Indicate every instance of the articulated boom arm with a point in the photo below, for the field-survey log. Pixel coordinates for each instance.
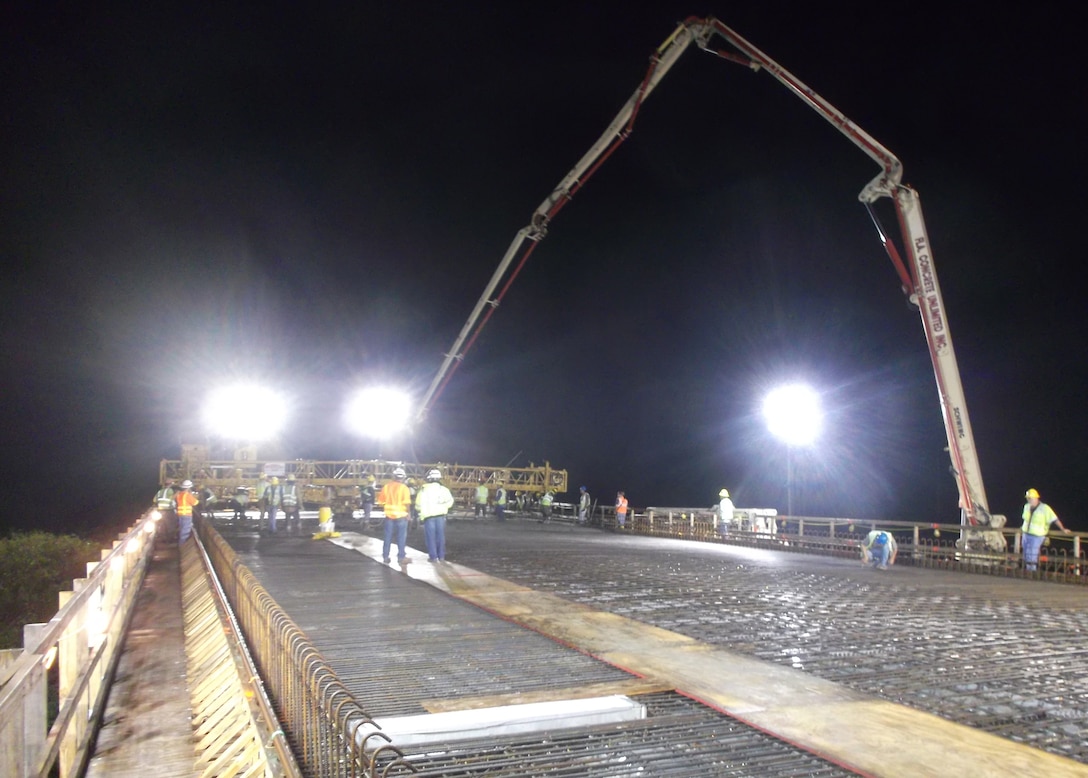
(918, 276)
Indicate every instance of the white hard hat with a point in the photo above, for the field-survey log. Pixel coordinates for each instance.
(398, 473)
(186, 484)
(434, 474)
(723, 493)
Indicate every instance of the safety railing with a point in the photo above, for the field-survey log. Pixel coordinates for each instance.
(322, 721)
(920, 544)
(53, 691)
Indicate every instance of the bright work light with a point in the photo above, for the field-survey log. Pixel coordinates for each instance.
(378, 412)
(245, 412)
(793, 414)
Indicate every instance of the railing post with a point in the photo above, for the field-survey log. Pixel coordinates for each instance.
(35, 727)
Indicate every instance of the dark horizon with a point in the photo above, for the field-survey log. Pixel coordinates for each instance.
(315, 198)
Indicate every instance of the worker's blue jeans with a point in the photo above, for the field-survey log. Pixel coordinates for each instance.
(880, 553)
(400, 527)
(185, 527)
(1031, 545)
(272, 511)
(434, 531)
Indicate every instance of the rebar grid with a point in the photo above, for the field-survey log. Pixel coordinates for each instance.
(1004, 656)
(402, 648)
(678, 738)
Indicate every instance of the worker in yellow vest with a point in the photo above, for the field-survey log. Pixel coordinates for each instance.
(481, 500)
(1038, 516)
(433, 501)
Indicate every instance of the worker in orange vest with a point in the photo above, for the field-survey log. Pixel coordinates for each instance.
(185, 501)
(621, 509)
(395, 499)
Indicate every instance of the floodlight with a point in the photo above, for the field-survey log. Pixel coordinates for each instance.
(378, 412)
(793, 414)
(245, 412)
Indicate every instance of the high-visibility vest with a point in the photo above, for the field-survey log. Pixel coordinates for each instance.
(164, 499)
(186, 501)
(481, 495)
(621, 505)
(273, 495)
(1038, 522)
(291, 495)
(433, 499)
(500, 496)
(395, 498)
(546, 500)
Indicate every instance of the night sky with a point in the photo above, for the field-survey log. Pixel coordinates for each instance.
(313, 196)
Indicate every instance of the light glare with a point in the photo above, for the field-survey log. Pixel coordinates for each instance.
(378, 412)
(793, 414)
(245, 412)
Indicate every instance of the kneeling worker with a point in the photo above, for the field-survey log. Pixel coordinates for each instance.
(879, 549)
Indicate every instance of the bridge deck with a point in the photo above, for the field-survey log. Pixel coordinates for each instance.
(818, 652)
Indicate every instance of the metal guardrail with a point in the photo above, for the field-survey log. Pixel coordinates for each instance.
(322, 722)
(76, 653)
(1062, 559)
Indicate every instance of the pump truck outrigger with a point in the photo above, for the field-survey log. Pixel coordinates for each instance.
(980, 529)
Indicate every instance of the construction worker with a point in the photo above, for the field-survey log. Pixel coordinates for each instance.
(366, 497)
(583, 505)
(725, 509)
(164, 498)
(207, 502)
(164, 504)
(481, 500)
(500, 503)
(292, 505)
(262, 487)
(413, 514)
(395, 498)
(239, 501)
(879, 549)
(273, 499)
(185, 501)
(546, 507)
(1038, 516)
(433, 503)
(621, 510)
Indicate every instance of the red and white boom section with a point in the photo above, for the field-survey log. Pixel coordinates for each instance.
(917, 273)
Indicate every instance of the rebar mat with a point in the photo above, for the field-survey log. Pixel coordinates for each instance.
(396, 643)
(1002, 655)
(679, 737)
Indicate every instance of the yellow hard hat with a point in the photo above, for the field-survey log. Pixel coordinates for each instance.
(723, 493)
(1031, 494)
(275, 481)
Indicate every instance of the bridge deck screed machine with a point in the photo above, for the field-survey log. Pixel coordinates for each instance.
(336, 484)
(918, 275)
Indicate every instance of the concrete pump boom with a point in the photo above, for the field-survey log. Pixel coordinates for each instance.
(917, 274)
